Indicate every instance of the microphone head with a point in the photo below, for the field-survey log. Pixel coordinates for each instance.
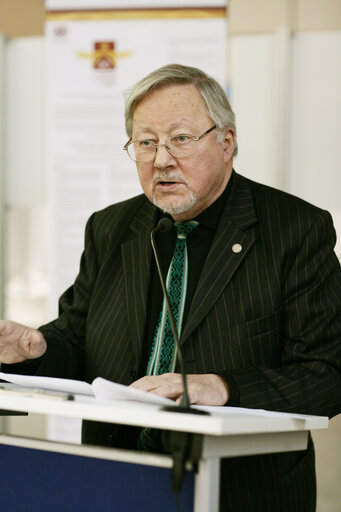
(164, 225)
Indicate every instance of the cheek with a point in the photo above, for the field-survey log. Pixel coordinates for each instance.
(207, 175)
(145, 176)
(195, 172)
(199, 178)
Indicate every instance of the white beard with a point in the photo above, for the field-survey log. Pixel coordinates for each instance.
(170, 205)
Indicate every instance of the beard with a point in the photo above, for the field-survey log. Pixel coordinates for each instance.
(174, 205)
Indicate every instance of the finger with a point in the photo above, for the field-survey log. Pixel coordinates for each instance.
(144, 384)
(168, 385)
(179, 399)
(170, 390)
(35, 345)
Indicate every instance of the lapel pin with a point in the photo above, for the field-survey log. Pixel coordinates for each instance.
(236, 248)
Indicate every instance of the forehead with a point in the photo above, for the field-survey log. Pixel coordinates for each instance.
(170, 104)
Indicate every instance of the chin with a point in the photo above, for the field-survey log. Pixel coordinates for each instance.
(175, 207)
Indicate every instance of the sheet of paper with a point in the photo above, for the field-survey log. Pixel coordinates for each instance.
(107, 390)
(52, 383)
(102, 389)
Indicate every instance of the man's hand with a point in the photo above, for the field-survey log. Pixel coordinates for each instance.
(204, 389)
(18, 342)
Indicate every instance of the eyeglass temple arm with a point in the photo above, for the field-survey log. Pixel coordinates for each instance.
(206, 133)
(127, 144)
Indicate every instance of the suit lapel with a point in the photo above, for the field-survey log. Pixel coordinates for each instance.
(222, 261)
(230, 246)
(136, 257)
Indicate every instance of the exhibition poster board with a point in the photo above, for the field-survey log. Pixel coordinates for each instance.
(96, 51)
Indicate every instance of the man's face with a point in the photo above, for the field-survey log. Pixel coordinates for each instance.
(183, 187)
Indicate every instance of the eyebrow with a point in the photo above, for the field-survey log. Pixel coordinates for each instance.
(173, 125)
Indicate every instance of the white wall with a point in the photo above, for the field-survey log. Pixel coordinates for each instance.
(2, 167)
(253, 98)
(289, 124)
(315, 129)
(24, 141)
(24, 188)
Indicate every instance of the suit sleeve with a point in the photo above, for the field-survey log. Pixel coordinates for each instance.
(308, 379)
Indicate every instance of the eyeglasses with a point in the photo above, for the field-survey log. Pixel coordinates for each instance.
(179, 146)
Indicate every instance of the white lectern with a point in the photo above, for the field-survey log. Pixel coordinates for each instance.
(225, 433)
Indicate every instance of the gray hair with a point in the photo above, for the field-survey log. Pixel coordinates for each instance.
(215, 99)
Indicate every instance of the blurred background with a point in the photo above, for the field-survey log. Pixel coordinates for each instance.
(281, 67)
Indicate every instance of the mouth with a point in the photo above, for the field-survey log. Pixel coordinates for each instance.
(167, 184)
(168, 181)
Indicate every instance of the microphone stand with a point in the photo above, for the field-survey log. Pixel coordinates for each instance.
(178, 443)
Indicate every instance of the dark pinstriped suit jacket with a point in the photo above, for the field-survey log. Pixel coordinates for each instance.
(269, 314)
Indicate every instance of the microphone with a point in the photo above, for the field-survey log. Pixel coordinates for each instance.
(181, 445)
(163, 226)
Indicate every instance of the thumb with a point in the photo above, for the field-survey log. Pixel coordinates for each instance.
(36, 345)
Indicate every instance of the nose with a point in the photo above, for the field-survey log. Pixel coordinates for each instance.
(162, 157)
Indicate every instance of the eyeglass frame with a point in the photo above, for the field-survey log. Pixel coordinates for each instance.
(167, 147)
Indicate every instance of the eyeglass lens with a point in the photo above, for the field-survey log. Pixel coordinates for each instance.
(179, 146)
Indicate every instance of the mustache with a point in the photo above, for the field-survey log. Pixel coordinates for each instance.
(168, 176)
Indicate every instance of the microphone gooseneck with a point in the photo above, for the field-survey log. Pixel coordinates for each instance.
(179, 444)
(165, 225)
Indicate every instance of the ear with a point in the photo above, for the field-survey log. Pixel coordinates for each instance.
(228, 144)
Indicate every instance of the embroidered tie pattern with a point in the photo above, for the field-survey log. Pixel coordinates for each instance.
(163, 356)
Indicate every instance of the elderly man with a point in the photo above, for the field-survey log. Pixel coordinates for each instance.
(255, 290)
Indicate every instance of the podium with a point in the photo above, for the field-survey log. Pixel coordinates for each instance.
(41, 475)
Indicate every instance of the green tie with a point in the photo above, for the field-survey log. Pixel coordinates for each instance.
(163, 356)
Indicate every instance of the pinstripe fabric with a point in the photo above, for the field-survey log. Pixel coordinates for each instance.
(269, 314)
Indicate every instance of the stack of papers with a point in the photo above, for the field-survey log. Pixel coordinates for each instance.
(102, 389)
(105, 390)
